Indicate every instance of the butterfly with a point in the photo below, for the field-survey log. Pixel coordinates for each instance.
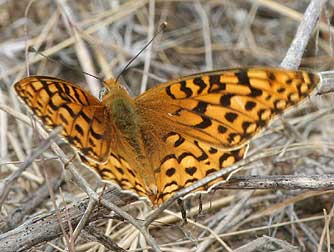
(172, 135)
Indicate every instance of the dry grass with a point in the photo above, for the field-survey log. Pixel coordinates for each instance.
(99, 37)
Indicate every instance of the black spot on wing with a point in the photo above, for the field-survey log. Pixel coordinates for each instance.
(215, 85)
(214, 79)
(223, 158)
(169, 134)
(198, 81)
(96, 135)
(213, 150)
(230, 116)
(225, 100)
(201, 107)
(45, 87)
(170, 172)
(243, 78)
(184, 155)
(52, 105)
(206, 122)
(87, 150)
(79, 129)
(169, 93)
(280, 90)
(132, 173)
(80, 95)
(250, 105)
(191, 170)
(168, 185)
(256, 92)
(63, 119)
(68, 109)
(245, 126)
(187, 91)
(231, 138)
(66, 90)
(271, 76)
(190, 181)
(120, 170)
(179, 141)
(85, 117)
(170, 156)
(222, 129)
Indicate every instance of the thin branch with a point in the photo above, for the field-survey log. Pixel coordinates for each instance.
(5, 184)
(85, 218)
(46, 227)
(287, 182)
(95, 235)
(32, 202)
(295, 53)
(148, 54)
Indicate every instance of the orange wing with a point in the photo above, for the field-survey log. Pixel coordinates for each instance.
(59, 103)
(226, 108)
(118, 171)
(188, 162)
(204, 121)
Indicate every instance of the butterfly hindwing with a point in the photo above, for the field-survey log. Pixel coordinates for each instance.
(188, 162)
(118, 171)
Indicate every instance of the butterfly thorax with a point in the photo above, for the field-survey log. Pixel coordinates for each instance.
(123, 116)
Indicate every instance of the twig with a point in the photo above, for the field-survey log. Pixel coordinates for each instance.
(33, 201)
(287, 182)
(68, 241)
(45, 227)
(5, 184)
(94, 235)
(294, 55)
(85, 218)
(206, 35)
(3, 128)
(262, 244)
(148, 54)
(203, 246)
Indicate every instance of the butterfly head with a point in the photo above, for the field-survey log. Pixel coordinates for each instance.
(112, 88)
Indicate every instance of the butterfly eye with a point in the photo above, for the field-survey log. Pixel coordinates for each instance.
(103, 91)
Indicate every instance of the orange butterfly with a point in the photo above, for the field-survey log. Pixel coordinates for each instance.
(173, 134)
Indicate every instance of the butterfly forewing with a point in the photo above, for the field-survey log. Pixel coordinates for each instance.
(226, 109)
(59, 103)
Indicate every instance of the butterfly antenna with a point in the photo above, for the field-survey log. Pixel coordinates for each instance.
(162, 28)
(32, 49)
